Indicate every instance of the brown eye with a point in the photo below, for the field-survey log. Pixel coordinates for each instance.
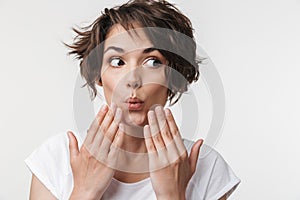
(116, 62)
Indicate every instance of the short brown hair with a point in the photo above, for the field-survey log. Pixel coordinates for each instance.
(147, 13)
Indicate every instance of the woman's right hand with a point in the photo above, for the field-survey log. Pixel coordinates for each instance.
(93, 165)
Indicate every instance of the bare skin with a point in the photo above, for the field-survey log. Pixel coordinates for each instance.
(162, 140)
(83, 159)
(84, 180)
(101, 143)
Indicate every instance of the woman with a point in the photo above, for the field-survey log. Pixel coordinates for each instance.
(142, 54)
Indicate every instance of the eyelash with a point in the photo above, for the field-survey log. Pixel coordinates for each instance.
(113, 58)
(145, 63)
(155, 59)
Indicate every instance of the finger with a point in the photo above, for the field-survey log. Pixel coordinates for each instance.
(171, 149)
(157, 157)
(111, 132)
(108, 118)
(148, 140)
(194, 155)
(104, 126)
(116, 145)
(163, 126)
(95, 125)
(154, 129)
(171, 122)
(172, 152)
(73, 145)
(175, 133)
(119, 137)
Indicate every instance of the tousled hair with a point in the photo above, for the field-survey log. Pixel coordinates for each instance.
(145, 13)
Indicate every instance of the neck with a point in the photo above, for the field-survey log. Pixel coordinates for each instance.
(134, 140)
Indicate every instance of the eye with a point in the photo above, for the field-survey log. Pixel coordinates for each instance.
(116, 62)
(152, 62)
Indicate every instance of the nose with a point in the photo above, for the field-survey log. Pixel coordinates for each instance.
(134, 79)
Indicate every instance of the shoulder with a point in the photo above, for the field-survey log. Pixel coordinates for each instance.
(50, 163)
(209, 160)
(213, 177)
(51, 154)
(54, 152)
(207, 155)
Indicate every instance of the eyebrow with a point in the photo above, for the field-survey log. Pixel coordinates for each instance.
(117, 49)
(120, 50)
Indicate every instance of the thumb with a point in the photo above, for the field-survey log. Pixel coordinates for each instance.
(194, 155)
(73, 145)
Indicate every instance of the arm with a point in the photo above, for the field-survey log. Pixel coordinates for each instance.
(38, 190)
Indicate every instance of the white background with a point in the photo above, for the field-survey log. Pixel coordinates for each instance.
(255, 46)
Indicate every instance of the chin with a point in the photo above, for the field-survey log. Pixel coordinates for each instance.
(136, 119)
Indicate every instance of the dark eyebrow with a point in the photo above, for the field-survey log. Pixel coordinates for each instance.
(149, 50)
(118, 49)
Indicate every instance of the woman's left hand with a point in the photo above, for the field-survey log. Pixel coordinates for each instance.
(170, 166)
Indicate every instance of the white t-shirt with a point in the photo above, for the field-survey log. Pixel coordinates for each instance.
(50, 163)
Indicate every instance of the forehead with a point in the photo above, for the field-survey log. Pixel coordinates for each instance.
(129, 40)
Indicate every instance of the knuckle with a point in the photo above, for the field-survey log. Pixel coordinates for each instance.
(111, 156)
(169, 135)
(177, 162)
(184, 155)
(111, 135)
(157, 138)
(102, 157)
(176, 131)
(113, 151)
(165, 162)
(151, 146)
(165, 133)
(110, 114)
(114, 125)
(108, 134)
(103, 128)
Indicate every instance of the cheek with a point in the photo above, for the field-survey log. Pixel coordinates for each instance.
(157, 76)
(112, 87)
(108, 84)
(158, 93)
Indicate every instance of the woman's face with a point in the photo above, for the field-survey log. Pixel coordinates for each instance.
(133, 74)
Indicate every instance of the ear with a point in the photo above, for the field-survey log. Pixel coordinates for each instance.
(99, 83)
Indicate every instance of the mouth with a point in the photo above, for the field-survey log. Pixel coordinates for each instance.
(134, 104)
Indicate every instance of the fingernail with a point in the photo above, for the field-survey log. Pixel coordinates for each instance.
(151, 115)
(201, 143)
(69, 134)
(158, 109)
(146, 131)
(113, 107)
(168, 112)
(104, 108)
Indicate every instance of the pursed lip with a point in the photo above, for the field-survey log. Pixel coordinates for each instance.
(134, 100)
(134, 104)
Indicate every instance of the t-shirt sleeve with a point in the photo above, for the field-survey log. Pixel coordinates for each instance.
(222, 179)
(48, 162)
